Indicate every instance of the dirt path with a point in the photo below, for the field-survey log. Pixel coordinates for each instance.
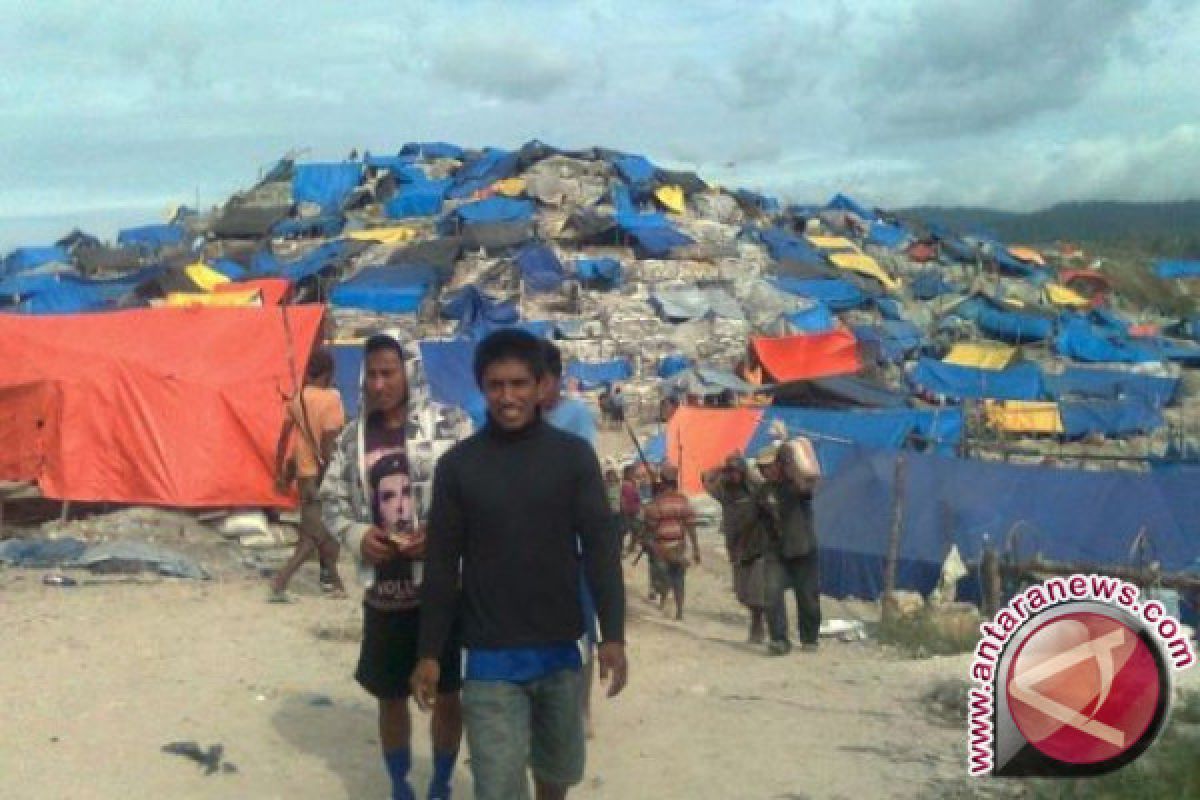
(95, 680)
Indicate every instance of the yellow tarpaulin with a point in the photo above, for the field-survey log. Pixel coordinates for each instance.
(865, 265)
(1062, 296)
(393, 235)
(252, 297)
(1027, 254)
(1023, 416)
(510, 187)
(204, 276)
(982, 356)
(832, 243)
(671, 198)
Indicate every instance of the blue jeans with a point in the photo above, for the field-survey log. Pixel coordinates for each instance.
(514, 725)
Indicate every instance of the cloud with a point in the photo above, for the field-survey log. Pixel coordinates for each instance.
(502, 65)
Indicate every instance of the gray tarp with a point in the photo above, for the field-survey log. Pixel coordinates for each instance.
(677, 304)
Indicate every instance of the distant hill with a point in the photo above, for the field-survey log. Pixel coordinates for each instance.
(1165, 229)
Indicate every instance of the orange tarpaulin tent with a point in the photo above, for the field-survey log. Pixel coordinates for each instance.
(701, 438)
(172, 406)
(811, 355)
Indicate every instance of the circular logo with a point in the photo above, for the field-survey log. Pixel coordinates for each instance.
(1086, 688)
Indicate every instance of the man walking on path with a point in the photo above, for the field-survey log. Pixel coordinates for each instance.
(368, 503)
(786, 502)
(512, 505)
(744, 535)
(671, 522)
(314, 417)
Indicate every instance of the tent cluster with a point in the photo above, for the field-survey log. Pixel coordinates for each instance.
(840, 320)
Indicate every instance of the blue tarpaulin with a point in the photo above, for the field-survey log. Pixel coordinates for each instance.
(784, 246)
(841, 202)
(1177, 268)
(1132, 415)
(25, 258)
(1082, 341)
(1013, 326)
(230, 269)
(835, 434)
(327, 185)
(432, 150)
(395, 290)
(596, 373)
(151, 237)
(494, 209)
(636, 171)
(760, 202)
(417, 200)
(74, 294)
(1019, 382)
(817, 319)
(658, 242)
(1007, 262)
(476, 312)
(1110, 384)
(1071, 516)
(397, 164)
(929, 284)
(837, 294)
(491, 166)
(599, 270)
(894, 237)
(449, 369)
(673, 365)
(896, 338)
(324, 257)
(655, 448)
(541, 271)
(347, 375)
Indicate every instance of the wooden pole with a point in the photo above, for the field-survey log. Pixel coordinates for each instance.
(893, 551)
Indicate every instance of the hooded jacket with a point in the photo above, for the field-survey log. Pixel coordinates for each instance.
(346, 500)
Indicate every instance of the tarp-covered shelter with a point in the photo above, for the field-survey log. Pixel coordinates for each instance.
(817, 355)
(151, 237)
(591, 374)
(176, 407)
(325, 184)
(1021, 381)
(384, 289)
(676, 305)
(1177, 268)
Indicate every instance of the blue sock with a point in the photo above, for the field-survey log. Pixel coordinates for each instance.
(443, 771)
(398, 763)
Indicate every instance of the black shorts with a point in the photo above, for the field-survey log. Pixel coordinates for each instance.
(389, 654)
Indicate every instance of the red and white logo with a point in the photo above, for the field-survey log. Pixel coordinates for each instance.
(1083, 688)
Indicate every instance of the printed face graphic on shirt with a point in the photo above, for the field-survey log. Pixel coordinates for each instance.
(391, 488)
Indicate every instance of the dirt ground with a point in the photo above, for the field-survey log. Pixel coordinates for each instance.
(96, 679)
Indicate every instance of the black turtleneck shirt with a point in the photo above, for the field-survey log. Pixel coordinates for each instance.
(511, 510)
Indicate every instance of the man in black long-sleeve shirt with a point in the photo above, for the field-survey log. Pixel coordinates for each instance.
(509, 505)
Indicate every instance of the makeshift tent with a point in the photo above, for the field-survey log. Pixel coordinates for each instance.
(1027, 254)
(838, 295)
(1110, 384)
(204, 276)
(591, 374)
(1062, 296)
(817, 355)
(509, 187)
(1126, 417)
(783, 246)
(449, 370)
(491, 166)
(657, 241)
(1177, 268)
(476, 312)
(177, 407)
(151, 237)
(1083, 341)
(675, 305)
(603, 271)
(1023, 416)
(841, 202)
(541, 271)
(422, 199)
(240, 221)
(636, 171)
(1018, 382)
(700, 381)
(274, 291)
(491, 209)
(326, 257)
(981, 355)
(27, 258)
(322, 227)
(701, 438)
(863, 264)
(833, 243)
(845, 391)
(73, 294)
(893, 339)
(817, 318)
(893, 237)
(673, 365)
(389, 290)
(1070, 516)
(431, 150)
(326, 185)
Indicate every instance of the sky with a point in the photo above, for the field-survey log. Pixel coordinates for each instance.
(112, 112)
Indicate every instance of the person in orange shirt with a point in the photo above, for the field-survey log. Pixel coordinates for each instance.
(314, 418)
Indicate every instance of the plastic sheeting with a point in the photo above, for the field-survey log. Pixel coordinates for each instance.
(981, 355)
(541, 271)
(700, 438)
(327, 184)
(817, 319)
(636, 171)
(321, 227)
(686, 304)
(1111, 384)
(72, 294)
(1062, 296)
(658, 241)
(1065, 515)
(671, 198)
(893, 237)
(838, 294)
(26, 258)
(1022, 416)
(417, 200)
(392, 235)
(473, 309)
(151, 237)
(491, 166)
(841, 202)
(599, 270)
(792, 358)
(494, 209)
(591, 374)
(1082, 341)
(394, 290)
(783, 246)
(707, 382)
(673, 365)
(1019, 382)
(1013, 326)
(1177, 268)
(895, 339)
(177, 407)
(244, 297)
(863, 264)
(1126, 417)
(323, 258)
(450, 372)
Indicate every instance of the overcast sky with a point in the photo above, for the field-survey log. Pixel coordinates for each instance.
(115, 110)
